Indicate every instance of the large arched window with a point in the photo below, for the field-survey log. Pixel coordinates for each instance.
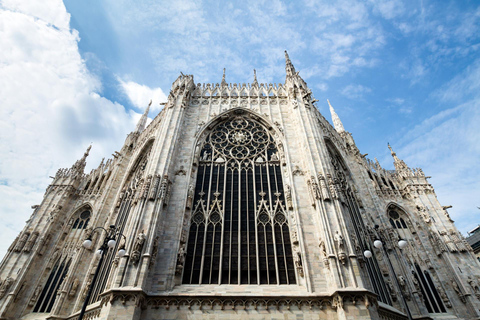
(239, 231)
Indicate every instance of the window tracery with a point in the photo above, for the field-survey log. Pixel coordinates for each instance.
(239, 233)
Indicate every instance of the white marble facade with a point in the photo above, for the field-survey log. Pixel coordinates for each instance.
(334, 200)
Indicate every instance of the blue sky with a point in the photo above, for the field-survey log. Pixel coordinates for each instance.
(79, 72)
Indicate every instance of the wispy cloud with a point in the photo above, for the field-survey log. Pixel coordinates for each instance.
(141, 95)
(355, 91)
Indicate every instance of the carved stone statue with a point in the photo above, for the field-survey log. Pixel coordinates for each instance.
(391, 290)
(35, 295)
(191, 190)
(21, 241)
(31, 242)
(74, 288)
(138, 246)
(332, 186)
(323, 187)
(180, 260)
(339, 240)
(5, 286)
(444, 297)
(288, 197)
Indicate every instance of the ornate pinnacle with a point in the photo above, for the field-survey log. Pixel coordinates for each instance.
(399, 164)
(336, 120)
(224, 83)
(289, 68)
(255, 82)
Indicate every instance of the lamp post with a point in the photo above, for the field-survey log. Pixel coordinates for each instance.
(108, 243)
(378, 243)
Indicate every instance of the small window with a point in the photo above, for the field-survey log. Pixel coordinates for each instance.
(82, 221)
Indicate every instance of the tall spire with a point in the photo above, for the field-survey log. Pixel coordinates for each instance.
(399, 164)
(336, 120)
(255, 82)
(224, 83)
(79, 165)
(143, 120)
(289, 68)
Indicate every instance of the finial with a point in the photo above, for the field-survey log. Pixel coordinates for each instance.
(336, 119)
(224, 83)
(88, 151)
(150, 103)
(289, 68)
(390, 147)
(255, 82)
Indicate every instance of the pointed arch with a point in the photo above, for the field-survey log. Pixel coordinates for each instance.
(239, 233)
(397, 216)
(342, 177)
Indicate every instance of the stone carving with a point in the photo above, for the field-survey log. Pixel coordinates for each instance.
(154, 187)
(42, 244)
(474, 284)
(341, 247)
(323, 187)
(181, 171)
(74, 288)
(444, 297)
(297, 171)
(337, 302)
(21, 242)
(5, 286)
(457, 241)
(437, 243)
(297, 258)
(311, 193)
(391, 290)
(446, 212)
(30, 242)
(424, 214)
(323, 250)
(457, 290)
(288, 197)
(332, 186)
(448, 242)
(154, 252)
(339, 240)
(180, 260)
(138, 246)
(53, 259)
(164, 193)
(191, 190)
(35, 296)
(146, 187)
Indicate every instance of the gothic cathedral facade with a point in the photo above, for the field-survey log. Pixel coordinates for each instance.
(240, 201)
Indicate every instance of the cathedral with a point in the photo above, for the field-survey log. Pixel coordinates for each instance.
(240, 201)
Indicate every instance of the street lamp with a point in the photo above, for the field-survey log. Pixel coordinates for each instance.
(108, 243)
(402, 244)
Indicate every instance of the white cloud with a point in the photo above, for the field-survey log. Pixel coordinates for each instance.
(50, 109)
(353, 91)
(140, 95)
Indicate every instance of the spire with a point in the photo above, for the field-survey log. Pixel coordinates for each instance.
(336, 120)
(79, 166)
(224, 83)
(399, 164)
(289, 68)
(143, 120)
(255, 82)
